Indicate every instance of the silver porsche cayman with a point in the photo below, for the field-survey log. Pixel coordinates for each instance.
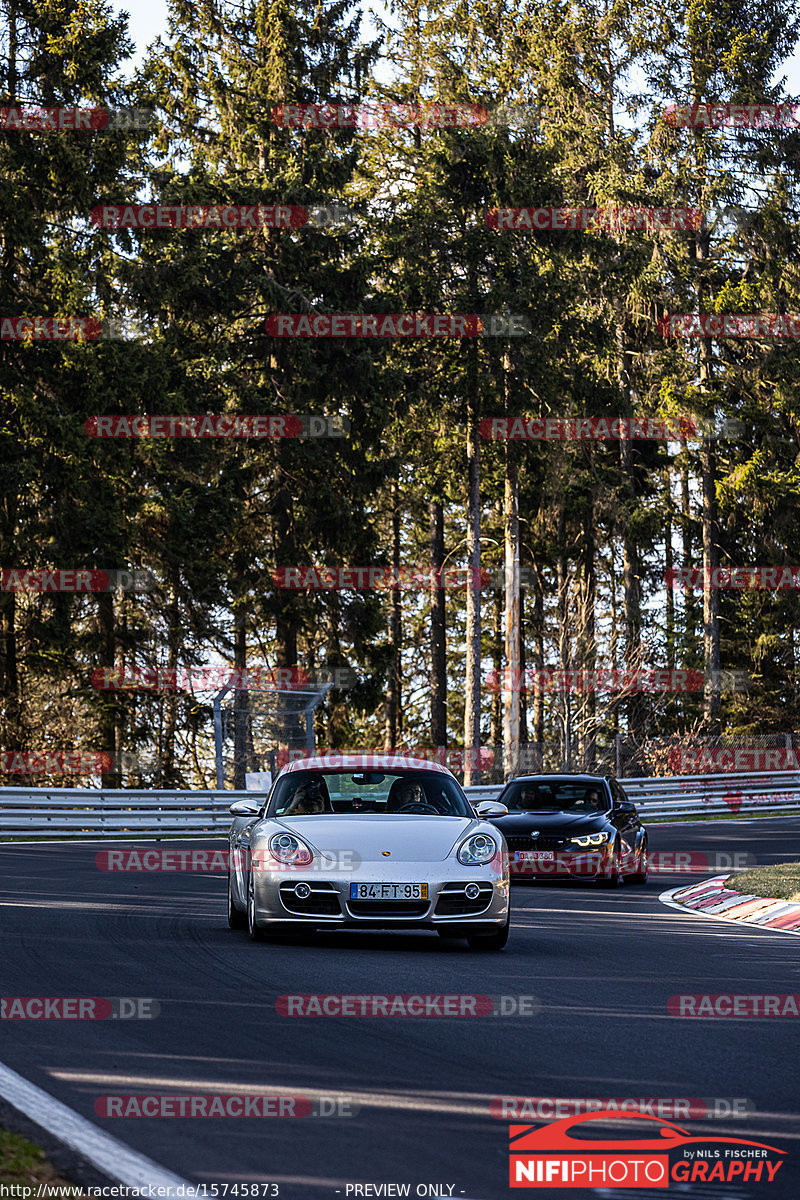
(365, 841)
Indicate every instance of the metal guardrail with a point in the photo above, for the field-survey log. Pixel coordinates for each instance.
(56, 812)
(59, 812)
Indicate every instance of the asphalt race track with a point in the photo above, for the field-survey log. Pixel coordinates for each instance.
(602, 964)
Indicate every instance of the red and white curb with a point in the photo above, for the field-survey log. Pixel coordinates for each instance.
(712, 898)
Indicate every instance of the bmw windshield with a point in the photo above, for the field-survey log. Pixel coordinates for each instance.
(555, 796)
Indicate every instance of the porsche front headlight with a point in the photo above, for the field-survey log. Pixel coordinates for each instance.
(287, 848)
(480, 848)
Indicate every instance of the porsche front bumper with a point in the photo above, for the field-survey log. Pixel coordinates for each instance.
(451, 897)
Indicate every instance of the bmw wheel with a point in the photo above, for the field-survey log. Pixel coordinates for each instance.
(640, 876)
(614, 877)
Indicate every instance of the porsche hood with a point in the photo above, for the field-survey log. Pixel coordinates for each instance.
(407, 838)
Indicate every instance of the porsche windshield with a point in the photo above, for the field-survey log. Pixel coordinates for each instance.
(556, 796)
(415, 793)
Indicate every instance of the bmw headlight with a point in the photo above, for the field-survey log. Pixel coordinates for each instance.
(287, 848)
(479, 848)
(591, 839)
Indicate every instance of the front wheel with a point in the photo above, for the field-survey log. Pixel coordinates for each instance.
(256, 933)
(490, 941)
(614, 877)
(640, 876)
(236, 918)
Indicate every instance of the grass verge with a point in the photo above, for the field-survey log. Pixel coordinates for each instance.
(24, 1165)
(779, 882)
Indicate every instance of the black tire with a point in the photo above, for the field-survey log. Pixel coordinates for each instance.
(255, 931)
(640, 877)
(236, 918)
(615, 878)
(490, 941)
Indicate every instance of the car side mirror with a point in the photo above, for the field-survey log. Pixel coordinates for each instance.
(625, 806)
(490, 808)
(245, 808)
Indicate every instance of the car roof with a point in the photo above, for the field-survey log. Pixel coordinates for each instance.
(367, 760)
(574, 778)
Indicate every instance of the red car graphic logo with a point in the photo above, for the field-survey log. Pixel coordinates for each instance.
(550, 1156)
(547, 1138)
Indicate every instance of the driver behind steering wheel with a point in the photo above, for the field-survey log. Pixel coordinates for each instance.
(403, 792)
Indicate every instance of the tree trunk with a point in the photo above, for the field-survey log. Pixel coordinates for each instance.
(512, 676)
(288, 728)
(110, 709)
(613, 643)
(438, 629)
(496, 702)
(11, 731)
(393, 728)
(241, 705)
(523, 666)
(687, 542)
(472, 673)
(711, 643)
(588, 631)
(669, 564)
(538, 662)
(631, 586)
(563, 699)
(166, 767)
(712, 699)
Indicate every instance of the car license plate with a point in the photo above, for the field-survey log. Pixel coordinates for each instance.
(388, 891)
(535, 856)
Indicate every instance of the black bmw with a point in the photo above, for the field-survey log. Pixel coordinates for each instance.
(572, 826)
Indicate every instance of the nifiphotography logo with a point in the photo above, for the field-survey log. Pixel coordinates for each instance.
(551, 1156)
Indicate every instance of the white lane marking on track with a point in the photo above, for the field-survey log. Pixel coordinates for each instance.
(748, 926)
(106, 1153)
